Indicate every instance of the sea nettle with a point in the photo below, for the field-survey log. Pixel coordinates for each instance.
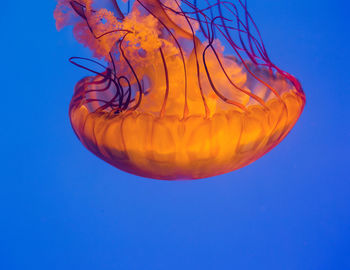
(179, 89)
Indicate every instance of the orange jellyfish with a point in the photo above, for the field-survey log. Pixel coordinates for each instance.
(182, 90)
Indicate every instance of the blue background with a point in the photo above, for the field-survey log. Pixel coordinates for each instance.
(63, 208)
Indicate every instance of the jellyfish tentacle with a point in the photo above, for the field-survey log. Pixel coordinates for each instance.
(200, 23)
(185, 111)
(229, 39)
(232, 102)
(78, 8)
(196, 43)
(104, 76)
(134, 73)
(162, 110)
(255, 97)
(119, 12)
(113, 31)
(71, 60)
(127, 102)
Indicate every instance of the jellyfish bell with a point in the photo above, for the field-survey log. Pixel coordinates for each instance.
(188, 91)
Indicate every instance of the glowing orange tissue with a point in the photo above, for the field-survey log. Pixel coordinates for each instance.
(180, 89)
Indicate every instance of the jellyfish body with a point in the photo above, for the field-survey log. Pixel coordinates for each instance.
(187, 94)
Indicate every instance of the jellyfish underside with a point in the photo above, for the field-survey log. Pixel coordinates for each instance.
(182, 109)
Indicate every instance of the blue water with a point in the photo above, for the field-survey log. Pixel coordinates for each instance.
(63, 208)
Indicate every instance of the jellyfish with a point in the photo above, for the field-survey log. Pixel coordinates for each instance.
(179, 89)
